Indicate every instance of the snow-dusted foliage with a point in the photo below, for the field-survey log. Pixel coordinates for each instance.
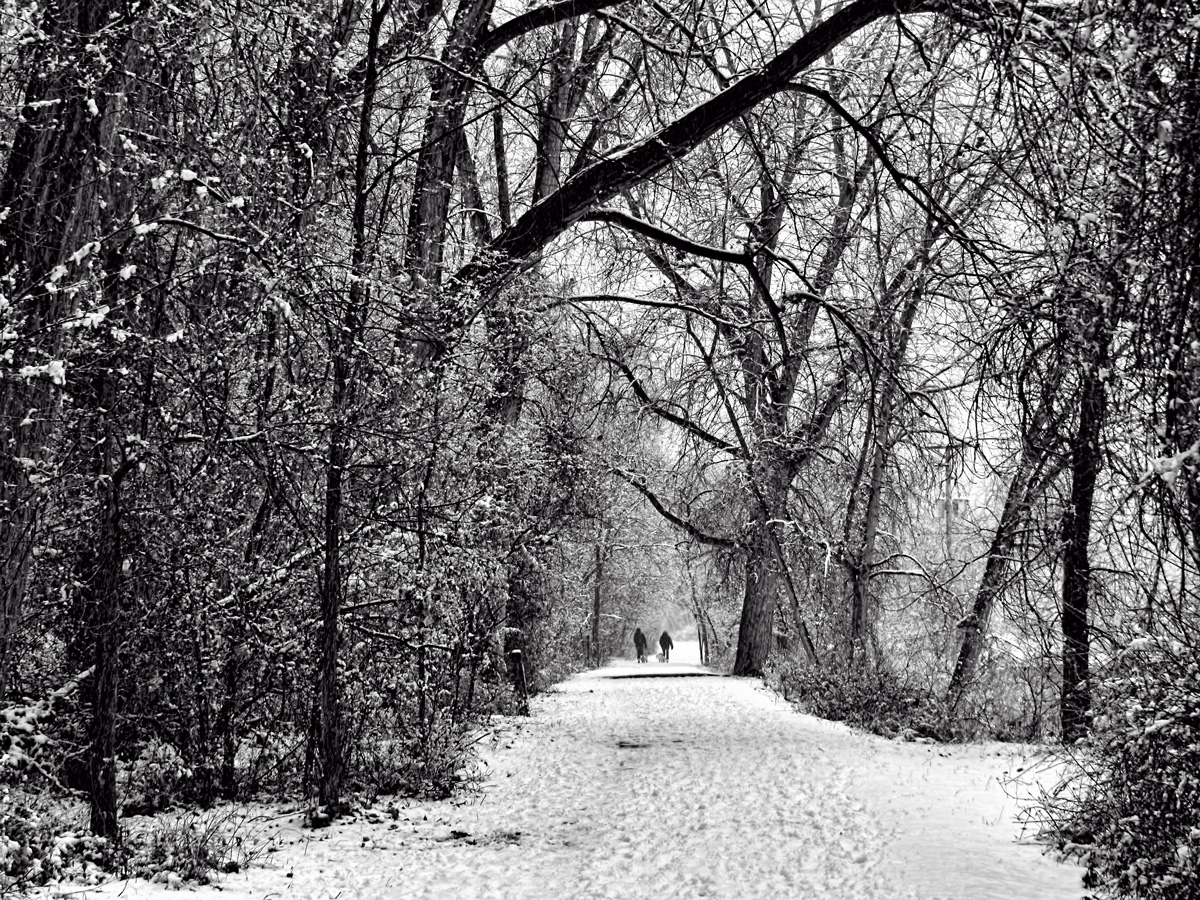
(23, 729)
(348, 349)
(1130, 806)
(880, 701)
(41, 839)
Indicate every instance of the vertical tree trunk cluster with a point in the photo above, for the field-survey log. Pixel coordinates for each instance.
(48, 195)
(58, 174)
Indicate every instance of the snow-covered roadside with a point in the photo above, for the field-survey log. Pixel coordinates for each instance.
(692, 787)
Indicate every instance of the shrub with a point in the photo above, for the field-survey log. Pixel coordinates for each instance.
(191, 846)
(874, 699)
(1013, 698)
(23, 737)
(1129, 805)
(42, 839)
(155, 781)
(433, 766)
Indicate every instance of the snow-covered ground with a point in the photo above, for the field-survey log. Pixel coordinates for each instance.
(687, 787)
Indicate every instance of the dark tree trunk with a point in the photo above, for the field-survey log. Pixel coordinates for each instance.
(1029, 478)
(1086, 460)
(596, 606)
(429, 208)
(758, 604)
(329, 749)
(863, 559)
(763, 575)
(103, 601)
(346, 352)
(49, 191)
(225, 727)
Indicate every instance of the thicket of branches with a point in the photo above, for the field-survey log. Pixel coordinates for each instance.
(367, 365)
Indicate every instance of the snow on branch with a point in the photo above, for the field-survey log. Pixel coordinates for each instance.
(21, 726)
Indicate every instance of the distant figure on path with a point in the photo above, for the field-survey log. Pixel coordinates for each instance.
(639, 642)
(664, 641)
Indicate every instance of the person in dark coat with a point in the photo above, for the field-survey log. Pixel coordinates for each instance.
(667, 645)
(639, 642)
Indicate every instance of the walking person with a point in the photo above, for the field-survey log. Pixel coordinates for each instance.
(667, 645)
(639, 643)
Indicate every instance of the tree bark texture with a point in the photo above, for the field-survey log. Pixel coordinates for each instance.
(773, 477)
(1086, 460)
(758, 604)
(48, 196)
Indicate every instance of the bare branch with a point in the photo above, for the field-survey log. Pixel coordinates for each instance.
(539, 18)
(655, 406)
(670, 238)
(639, 484)
(620, 170)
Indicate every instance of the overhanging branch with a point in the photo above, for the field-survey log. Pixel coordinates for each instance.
(654, 406)
(664, 236)
(602, 180)
(639, 484)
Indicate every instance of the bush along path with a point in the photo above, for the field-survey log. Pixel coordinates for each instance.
(675, 786)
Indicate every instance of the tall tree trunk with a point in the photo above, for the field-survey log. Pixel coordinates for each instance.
(48, 194)
(329, 748)
(103, 600)
(1086, 459)
(1028, 480)
(756, 627)
(758, 603)
(596, 605)
(346, 354)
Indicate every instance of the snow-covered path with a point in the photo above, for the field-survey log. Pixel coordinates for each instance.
(683, 787)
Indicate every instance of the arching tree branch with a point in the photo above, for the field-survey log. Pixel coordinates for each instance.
(639, 484)
(628, 167)
(664, 236)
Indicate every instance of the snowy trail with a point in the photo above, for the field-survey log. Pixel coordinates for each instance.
(700, 787)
